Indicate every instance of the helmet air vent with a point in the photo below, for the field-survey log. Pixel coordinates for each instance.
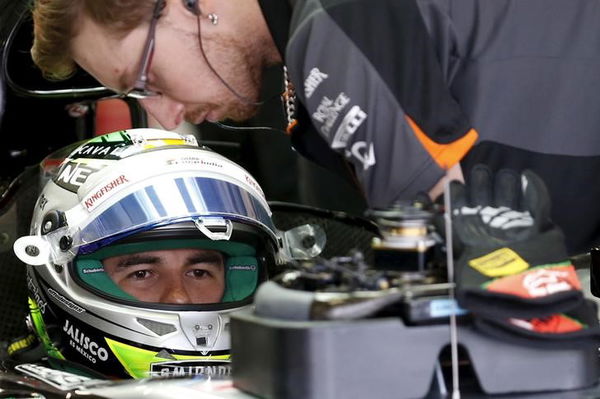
(156, 327)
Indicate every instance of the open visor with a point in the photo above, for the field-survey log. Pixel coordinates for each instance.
(171, 271)
(210, 203)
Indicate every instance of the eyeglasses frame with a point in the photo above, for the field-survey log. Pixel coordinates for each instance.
(140, 88)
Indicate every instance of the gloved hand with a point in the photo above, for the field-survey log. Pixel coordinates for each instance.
(513, 262)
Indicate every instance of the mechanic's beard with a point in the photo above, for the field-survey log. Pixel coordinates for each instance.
(242, 72)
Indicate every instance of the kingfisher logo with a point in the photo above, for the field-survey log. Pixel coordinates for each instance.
(94, 199)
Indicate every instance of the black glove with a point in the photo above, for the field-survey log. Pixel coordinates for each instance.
(514, 262)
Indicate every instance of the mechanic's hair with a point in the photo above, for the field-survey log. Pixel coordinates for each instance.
(56, 23)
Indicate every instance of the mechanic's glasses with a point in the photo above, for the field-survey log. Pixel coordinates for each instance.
(140, 89)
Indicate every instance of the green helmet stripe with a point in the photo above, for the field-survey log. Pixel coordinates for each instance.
(137, 362)
(40, 329)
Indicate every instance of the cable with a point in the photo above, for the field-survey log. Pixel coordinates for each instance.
(451, 280)
(246, 128)
(241, 97)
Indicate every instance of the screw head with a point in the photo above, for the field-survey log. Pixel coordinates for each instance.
(65, 243)
(308, 241)
(32, 250)
(47, 227)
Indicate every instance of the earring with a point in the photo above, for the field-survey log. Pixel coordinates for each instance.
(213, 18)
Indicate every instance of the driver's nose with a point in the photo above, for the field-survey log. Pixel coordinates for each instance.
(175, 292)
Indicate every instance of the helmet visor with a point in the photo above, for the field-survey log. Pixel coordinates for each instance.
(165, 201)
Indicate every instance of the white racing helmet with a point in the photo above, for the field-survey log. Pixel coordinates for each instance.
(139, 191)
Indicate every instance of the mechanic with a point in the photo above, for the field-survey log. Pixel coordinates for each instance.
(141, 245)
(400, 90)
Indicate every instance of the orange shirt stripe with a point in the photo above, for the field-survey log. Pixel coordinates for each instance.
(445, 155)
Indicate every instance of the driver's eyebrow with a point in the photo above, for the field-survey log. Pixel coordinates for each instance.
(205, 258)
(138, 259)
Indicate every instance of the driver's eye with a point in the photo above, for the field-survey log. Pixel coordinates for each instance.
(140, 274)
(200, 273)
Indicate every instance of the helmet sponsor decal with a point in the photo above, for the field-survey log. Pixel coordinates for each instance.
(254, 184)
(109, 146)
(61, 380)
(119, 145)
(243, 267)
(73, 174)
(92, 270)
(195, 161)
(210, 164)
(99, 151)
(186, 368)
(34, 292)
(83, 344)
(42, 202)
(143, 363)
(94, 199)
(65, 301)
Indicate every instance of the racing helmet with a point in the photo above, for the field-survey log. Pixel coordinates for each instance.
(139, 194)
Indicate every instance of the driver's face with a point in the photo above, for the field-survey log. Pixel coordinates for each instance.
(177, 276)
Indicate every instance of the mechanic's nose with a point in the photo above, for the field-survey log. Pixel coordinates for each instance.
(167, 112)
(175, 293)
